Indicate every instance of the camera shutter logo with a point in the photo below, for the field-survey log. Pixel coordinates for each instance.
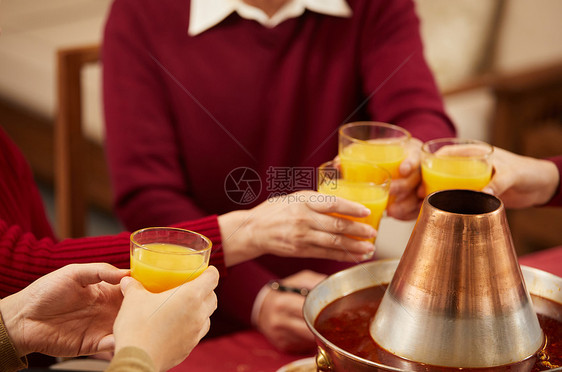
(242, 185)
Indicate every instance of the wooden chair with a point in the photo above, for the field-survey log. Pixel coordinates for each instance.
(81, 176)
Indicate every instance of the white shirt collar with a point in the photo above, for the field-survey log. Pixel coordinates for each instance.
(205, 14)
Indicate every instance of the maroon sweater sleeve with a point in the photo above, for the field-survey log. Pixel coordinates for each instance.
(556, 200)
(24, 258)
(397, 81)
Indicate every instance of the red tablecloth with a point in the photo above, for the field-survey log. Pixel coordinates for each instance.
(249, 351)
(548, 260)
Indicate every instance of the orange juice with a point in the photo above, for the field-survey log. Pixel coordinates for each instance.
(162, 266)
(370, 195)
(384, 154)
(455, 173)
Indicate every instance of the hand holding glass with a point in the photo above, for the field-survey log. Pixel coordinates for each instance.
(366, 183)
(164, 257)
(452, 163)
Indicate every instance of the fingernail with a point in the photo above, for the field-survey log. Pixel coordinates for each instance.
(366, 211)
(405, 168)
(488, 190)
(368, 256)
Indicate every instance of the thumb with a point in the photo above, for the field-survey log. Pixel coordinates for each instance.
(128, 283)
(495, 186)
(413, 158)
(107, 343)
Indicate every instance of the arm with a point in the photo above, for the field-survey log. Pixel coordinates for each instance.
(24, 258)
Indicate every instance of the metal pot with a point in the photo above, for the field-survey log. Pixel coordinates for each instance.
(332, 358)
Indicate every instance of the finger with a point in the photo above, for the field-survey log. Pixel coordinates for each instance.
(204, 330)
(87, 274)
(412, 161)
(202, 285)
(208, 280)
(128, 283)
(331, 204)
(107, 343)
(497, 185)
(210, 304)
(298, 327)
(421, 191)
(295, 303)
(405, 209)
(341, 255)
(339, 242)
(341, 225)
(463, 150)
(402, 187)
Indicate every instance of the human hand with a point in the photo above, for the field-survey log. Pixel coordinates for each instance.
(407, 197)
(280, 318)
(68, 312)
(301, 224)
(522, 181)
(169, 324)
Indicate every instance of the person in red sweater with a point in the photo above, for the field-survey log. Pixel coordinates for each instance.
(29, 249)
(213, 107)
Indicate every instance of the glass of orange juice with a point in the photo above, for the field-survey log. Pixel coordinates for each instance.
(165, 257)
(371, 190)
(453, 163)
(380, 143)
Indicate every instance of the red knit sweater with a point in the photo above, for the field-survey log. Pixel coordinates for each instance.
(183, 112)
(28, 247)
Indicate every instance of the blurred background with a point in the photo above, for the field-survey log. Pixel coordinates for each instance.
(497, 62)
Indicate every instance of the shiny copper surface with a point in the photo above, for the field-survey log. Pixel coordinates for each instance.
(458, 297)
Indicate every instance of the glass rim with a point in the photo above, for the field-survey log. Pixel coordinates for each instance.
(387, 176)
(406, 135)
(209, 243)
(457, 141)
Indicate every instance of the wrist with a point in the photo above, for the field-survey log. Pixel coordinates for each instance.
(237, 242)
(258, 303)
(13, 320)
(551, 182)
(131, 346)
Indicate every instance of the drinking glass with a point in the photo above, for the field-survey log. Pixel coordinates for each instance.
(164, 257)
(378, 143)
(372, 192)
(453, 163)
